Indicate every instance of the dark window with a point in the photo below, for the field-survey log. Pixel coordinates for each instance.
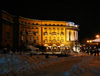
(37, 29)
(29, 38)
(49, 28)
(32, 27)
(36, 38)
(57, 24)
(33, 37)
(25, 23)
(8, 18)
(61, 28)
(37, 24)
(61, 24)
(32, 23)
(45, 28)
(7, 36)
(28, 22)
(21, 21)
(53, 28)
(34, 41)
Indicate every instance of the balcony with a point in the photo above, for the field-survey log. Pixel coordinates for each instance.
(57, 33)
(54, 41)
(35, 33)
(45, 33)
(62, 33)
(29, 33)
(46, 41)
(53, 33)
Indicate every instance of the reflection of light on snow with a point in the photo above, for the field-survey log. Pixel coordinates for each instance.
(74, 71)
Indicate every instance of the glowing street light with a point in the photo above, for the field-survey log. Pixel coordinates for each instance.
(89, 41)
(97, 36)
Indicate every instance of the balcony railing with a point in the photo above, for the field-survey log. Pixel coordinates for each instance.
(30, 33)
(45, 33)
(62, 33)
(53, 33)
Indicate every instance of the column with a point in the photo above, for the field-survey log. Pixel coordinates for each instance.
(67, 36)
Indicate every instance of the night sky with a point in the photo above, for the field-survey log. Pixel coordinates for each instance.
(85, 14)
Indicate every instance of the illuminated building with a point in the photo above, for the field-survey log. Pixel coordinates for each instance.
(55, 35)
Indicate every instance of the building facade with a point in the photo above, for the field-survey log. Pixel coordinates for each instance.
(54, 35)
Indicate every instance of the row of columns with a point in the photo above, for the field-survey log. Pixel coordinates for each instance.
(71, 35)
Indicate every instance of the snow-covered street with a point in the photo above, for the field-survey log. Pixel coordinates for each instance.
(38, 65)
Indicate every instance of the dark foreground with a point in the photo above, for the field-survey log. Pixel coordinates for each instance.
(20, 65)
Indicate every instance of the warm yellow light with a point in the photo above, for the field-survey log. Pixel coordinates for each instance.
(88, 41)
(97, 36)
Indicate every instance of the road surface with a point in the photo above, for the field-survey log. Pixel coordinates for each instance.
(59, 66)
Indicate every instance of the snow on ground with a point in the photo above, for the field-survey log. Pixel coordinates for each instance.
(87, 67)
(18, 63)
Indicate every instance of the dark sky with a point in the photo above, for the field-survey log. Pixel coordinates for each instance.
(84, 13)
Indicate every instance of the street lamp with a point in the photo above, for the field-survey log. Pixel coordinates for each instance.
(97, 36)
(89, 41)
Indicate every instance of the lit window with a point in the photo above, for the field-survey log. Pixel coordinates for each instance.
(45, 38)
(57, 38)
(37, 29)
(53, 29)
(57, 30)
(61, 29)
(45, 29)
(49, 30)
(49, 38)
(62, 40)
